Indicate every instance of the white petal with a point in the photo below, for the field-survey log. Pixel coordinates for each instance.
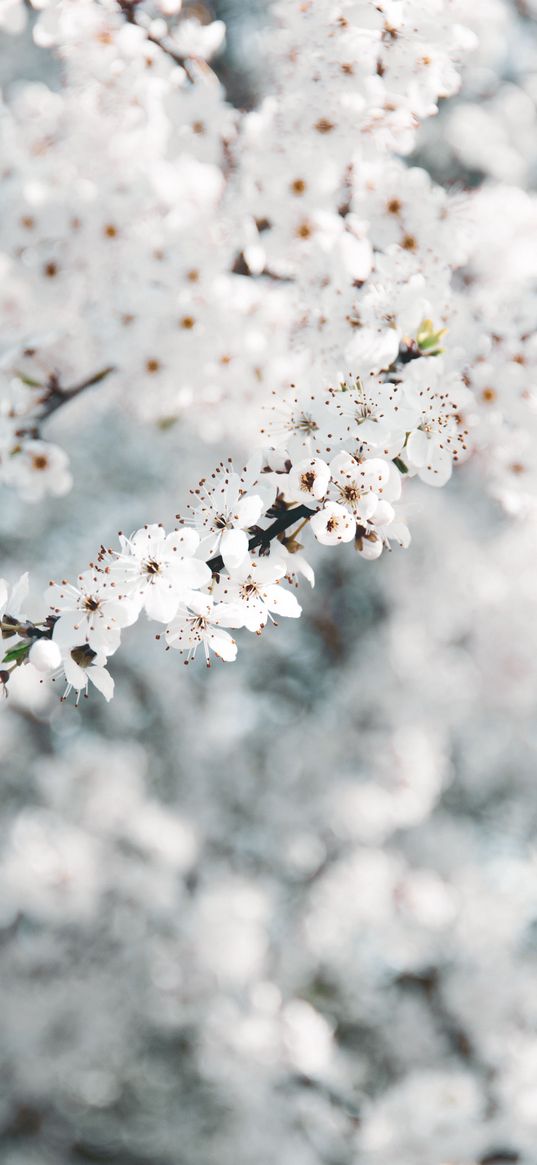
(191, 573)
(103, 638)
(282, 601)
(234, 548)
(367, 506)
(200, 605)
(74, 674)
(161, 602)
(417, 448)
(248, 511)
(70, 629)
(228, 615)
(438, 475)
(18, 594)
(255, 615)
(384, 514)
(148, 540)
(103, 681)
(182, 542)
(223, 645)
(400, 533)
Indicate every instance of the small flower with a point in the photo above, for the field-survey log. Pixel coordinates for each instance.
(361, 484)
(308, 481)
(159, 570)
(201, 622)
(255, 589)
(92, 612)
(39, 469)
(223, 513)
(333, 524)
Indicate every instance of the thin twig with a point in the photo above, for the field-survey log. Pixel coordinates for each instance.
(55, 397)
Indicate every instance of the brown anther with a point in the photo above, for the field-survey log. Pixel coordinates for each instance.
(39, 461)
(323, 125)
(304, 230)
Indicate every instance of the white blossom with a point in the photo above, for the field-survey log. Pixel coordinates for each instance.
(158, 570)
(223, 514)
(308, 481)
(202, 622)
(93, 612)
(255, 589)
(333, 524)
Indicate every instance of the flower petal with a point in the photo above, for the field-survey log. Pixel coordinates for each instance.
(103, 681)
(234, 548)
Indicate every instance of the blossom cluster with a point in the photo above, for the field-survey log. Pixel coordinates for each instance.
(336, 460)
(323, 274)
(215, 257)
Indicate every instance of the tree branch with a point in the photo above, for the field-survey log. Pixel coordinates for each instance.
(55, 397)
(31, 631)
(264, 537)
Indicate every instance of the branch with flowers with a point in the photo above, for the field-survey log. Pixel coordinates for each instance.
(334, 460)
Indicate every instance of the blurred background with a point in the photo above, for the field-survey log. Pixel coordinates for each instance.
(284, 911)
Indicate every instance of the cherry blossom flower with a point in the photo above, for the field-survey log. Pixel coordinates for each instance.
(308, 481)
(333, 524)
(223, 514)
(93, 612)
(201, 622)
(440, 436)
(255, 589)
(159, 570)
(39, 468)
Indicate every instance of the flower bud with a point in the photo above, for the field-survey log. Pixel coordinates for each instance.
(45, 655)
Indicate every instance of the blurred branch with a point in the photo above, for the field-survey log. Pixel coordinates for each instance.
(129, 11)
(54, 396)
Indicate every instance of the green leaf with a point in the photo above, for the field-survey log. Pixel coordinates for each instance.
(400, 465)
(29, 380)
(428, 338)
(17, 653)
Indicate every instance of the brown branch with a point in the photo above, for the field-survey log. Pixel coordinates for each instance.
(55, 397)
(264, 537)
